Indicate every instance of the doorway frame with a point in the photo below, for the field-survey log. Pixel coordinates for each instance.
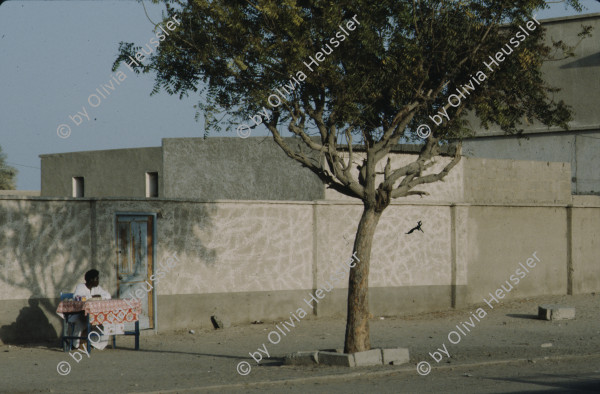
(154, 243)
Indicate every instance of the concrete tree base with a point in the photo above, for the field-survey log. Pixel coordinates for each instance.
(333, 357)
(337, 359)
(302, 358)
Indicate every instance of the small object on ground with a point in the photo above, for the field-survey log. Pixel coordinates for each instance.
(192, 332)
(220, 322)
(546, 345)
(555, 312)
(257, 322)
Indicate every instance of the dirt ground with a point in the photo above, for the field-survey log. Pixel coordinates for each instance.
(181, 361)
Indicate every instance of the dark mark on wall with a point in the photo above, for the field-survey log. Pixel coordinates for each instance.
(418, 227)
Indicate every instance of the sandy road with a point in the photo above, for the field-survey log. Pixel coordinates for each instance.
(186, 363)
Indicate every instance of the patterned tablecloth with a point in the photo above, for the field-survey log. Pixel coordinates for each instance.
(104, 311)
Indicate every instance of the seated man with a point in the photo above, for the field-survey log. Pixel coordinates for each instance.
(89, 290)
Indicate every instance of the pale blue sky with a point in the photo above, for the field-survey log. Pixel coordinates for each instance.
(54, 54)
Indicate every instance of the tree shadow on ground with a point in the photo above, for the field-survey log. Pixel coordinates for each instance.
(523, 316)
(278, 360)
(559, 383)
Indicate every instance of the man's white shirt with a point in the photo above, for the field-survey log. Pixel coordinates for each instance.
(80, 320)
(81, 290)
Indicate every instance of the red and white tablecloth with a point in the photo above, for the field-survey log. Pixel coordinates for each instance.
(104, 311)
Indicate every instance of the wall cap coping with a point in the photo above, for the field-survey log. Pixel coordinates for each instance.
(580, 202)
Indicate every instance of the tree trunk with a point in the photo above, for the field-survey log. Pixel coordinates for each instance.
(357, 323)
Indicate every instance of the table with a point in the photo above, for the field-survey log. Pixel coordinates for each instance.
(105, 311)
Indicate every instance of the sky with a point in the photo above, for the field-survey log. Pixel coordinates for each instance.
(55, 54)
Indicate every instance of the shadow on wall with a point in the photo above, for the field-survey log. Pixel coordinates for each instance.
(32, 326)
(187, 223)
(44, 249)
(588, 61)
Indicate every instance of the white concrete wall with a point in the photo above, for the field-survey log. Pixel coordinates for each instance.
(260, 259)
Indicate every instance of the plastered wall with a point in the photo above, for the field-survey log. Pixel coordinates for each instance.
(258, 260)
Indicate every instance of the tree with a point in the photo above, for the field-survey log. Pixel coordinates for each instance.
(7, 174)
(385, 68)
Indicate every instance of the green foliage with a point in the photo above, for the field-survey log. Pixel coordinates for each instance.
(237, 52)
(391, 73)
(8, 174)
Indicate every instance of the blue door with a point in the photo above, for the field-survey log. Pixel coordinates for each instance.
(135, 247)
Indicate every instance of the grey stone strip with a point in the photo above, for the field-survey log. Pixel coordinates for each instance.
(393, 370)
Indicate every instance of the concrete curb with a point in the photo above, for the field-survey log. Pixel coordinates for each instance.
(336, 357)
(350, 375)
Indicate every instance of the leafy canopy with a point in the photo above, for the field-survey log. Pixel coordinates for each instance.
(394, 70)
(8, 174)
(241, 51)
